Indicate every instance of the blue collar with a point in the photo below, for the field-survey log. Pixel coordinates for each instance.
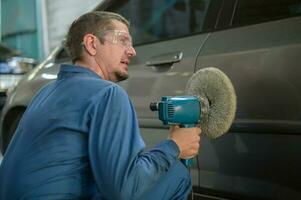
(68, 69)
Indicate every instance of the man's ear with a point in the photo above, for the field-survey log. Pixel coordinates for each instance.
(89, 43)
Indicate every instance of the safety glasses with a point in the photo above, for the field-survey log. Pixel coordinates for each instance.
(117, 37)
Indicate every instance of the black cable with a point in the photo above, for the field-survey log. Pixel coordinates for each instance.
(198, 169)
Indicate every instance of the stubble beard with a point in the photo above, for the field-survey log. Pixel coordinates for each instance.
(121, 76)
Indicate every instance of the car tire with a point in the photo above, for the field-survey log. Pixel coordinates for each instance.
(10, 130)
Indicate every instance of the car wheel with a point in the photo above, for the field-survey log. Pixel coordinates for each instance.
(11, 125)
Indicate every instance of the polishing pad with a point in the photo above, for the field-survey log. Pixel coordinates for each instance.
(218, 100)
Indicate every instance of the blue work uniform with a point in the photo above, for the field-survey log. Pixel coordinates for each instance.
(79, 139)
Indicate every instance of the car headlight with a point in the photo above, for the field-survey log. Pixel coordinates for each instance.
(8, 81)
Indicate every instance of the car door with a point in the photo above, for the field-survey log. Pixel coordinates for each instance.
(260, 51)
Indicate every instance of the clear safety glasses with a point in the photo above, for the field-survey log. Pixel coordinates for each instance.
(117, 37)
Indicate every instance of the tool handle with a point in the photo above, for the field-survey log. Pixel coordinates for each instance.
(187, 162)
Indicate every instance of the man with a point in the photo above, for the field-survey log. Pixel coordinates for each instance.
(79, 138)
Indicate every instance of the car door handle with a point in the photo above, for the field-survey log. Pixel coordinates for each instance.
(165, 59)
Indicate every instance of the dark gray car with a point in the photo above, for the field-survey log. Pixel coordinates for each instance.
(257, 43)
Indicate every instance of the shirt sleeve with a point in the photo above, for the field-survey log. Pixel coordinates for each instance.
(121, 167)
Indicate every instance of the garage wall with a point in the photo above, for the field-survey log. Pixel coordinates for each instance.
(18, 26)
(57, 15)
(35, 27)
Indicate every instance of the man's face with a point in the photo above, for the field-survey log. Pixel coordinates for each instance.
(115, 53)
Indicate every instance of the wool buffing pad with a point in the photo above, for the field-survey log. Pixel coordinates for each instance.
(218, 100)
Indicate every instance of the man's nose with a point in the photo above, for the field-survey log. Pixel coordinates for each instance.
(131, 51)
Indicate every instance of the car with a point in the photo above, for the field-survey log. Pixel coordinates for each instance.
(256, 43)
(12, 67)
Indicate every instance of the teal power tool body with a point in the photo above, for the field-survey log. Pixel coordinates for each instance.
(184, 111)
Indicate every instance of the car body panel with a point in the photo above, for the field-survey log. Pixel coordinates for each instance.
(265, 67)
(149, 83)
(263, 62)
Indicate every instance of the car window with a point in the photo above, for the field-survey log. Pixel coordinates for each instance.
(256, 11)
(156, 20)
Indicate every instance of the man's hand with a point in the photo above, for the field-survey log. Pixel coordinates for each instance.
(187, 139)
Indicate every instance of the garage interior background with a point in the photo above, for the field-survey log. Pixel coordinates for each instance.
(35, 27)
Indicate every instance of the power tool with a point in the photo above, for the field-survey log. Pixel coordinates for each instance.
(178, 110)
(210, 102)
(184, 111)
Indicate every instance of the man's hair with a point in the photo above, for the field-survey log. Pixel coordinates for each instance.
(92, 22)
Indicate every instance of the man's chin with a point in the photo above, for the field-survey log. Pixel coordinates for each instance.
(121, 76)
